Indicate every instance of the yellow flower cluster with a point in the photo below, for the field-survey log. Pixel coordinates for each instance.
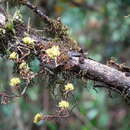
(13, 56)
(14, 81)
(63, 104)
(28, 40)
(24, 65)
(53, 52)
(69, 87)
(38, 117)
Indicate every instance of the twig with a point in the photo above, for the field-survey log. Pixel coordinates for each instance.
(36, 10)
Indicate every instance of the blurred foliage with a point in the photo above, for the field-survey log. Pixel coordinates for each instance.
(103, 33)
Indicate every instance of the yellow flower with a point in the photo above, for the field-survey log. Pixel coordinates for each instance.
(53, 52)
(38, 117)
(24, 65)
(14, 81)
(13, 55)
(69, 87)
(28, 40)
(63, 104)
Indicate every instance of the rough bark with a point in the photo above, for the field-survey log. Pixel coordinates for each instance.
(113, 78)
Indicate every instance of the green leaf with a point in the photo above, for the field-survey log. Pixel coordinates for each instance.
(35, 65)
(92, 114)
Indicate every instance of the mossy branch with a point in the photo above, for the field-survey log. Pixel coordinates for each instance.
(70, 59)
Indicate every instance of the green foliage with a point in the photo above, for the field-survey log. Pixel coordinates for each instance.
(35, 65)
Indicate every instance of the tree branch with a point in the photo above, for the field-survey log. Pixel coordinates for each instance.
(112, 77)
